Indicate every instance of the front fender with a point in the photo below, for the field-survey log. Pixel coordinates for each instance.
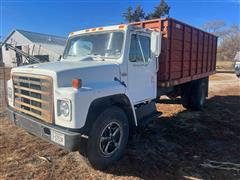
(82, 98)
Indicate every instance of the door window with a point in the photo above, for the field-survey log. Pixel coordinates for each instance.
(139, 48)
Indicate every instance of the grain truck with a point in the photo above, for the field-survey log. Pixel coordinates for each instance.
(108, 82)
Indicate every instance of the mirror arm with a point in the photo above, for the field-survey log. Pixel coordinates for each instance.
(157, 65)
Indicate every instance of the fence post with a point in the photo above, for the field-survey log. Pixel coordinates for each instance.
(4, 76)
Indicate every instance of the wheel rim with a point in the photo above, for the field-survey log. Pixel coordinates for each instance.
(110, 139)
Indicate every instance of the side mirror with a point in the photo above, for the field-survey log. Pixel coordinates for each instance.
(156, 38)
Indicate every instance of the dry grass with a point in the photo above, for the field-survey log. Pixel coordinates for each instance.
(225, 65)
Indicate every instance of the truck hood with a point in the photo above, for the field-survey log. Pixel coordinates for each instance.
(89, 71)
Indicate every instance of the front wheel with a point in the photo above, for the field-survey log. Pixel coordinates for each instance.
(108, 138)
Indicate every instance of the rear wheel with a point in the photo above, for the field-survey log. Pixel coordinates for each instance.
(198, 95)
(186, 91)
(108, 138)
(194, 94)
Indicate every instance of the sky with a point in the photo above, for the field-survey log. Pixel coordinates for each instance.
(60, 17)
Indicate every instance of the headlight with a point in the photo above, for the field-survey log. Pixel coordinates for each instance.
(64, 109)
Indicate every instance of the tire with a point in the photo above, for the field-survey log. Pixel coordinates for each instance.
(108, 138)
(198, 95)
(186, 91)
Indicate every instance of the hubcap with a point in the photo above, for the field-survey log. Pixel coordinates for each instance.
(110, 139)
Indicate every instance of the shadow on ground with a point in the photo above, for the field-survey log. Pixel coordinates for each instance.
(178, 146)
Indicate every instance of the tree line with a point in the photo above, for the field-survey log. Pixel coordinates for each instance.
(138, 14)
(228, 38)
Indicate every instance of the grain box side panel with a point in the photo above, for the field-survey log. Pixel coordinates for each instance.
(187, 52)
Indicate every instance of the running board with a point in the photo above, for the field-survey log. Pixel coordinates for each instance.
(146, 113)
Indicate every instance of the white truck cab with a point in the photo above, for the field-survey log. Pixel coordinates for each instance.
(93, 92)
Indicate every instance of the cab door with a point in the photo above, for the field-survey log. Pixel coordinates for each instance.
(142, 76)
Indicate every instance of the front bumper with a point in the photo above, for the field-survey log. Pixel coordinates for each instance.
(70, 140)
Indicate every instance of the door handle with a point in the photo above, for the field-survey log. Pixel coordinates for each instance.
(121, 82)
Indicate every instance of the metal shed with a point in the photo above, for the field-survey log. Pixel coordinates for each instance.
(43, 46)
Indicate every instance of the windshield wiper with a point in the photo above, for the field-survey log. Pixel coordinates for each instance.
(97, 56)
(69, 55)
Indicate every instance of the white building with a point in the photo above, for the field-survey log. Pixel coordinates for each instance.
(1, 61)
(43, 46)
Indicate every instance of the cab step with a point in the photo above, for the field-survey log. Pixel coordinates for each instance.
(146, 113)
(146, 120)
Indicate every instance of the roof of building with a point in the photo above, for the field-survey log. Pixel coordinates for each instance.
(52, 42)
(43, 38)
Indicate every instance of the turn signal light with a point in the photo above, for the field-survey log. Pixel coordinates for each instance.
(121, 26)
(76, 83)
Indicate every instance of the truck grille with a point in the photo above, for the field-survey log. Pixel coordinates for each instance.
(33, 95)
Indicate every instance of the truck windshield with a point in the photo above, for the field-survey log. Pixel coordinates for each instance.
(105, 44)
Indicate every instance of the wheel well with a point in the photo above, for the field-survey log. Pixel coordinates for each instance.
(99, 105)
(189, 85)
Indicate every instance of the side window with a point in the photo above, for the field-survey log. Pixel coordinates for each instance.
(145, 43)
(135, 54)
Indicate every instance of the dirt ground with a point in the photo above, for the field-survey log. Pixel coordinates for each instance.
(180, 144)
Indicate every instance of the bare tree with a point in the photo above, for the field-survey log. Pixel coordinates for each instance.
(229, 44)
(214, 26)
(228, 38)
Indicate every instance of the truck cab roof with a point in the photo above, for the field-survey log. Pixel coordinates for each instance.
(120, 27)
